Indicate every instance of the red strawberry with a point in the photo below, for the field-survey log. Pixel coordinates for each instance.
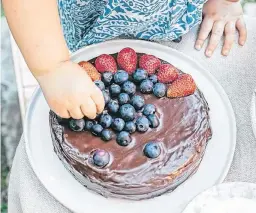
(105, 63)
(91, 70)
(149, 63)
(127, 60)
(167, 73)
(183, 86)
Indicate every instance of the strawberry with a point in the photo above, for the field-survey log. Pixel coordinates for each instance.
(183, 86)
(167, 73)
(149, 63)
(127, 60)
(106, 63)
(91, 70)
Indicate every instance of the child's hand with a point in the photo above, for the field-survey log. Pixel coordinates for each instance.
(69, 91)
(221, 16)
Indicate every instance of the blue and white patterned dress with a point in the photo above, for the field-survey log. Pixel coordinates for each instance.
(92, 21)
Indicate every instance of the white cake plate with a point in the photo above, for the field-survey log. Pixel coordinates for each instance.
(64, 187)
(220, 193)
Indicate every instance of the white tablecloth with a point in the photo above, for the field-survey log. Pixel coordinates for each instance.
(237, 75)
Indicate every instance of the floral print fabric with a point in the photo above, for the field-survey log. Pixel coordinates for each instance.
(86, 22)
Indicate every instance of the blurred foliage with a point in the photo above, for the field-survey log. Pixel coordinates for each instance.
(4, 179)
(247, 1)
(2, 11)
(4, 208)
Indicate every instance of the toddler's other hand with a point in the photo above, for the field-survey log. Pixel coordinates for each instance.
(69, 91)
(221, 16)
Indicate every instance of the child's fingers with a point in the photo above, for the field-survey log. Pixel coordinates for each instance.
(229, 37)
(241, 27)
(204, 32)
(63, 113)
(217, 32)
(76, 113)
(59, 108)
(98, 99)
(88, 108)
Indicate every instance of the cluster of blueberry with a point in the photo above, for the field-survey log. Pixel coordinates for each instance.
(120, 83)
(125, 112)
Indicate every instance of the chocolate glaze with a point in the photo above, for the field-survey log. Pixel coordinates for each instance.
(183, 134)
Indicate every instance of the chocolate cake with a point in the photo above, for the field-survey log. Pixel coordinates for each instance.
(131, 170)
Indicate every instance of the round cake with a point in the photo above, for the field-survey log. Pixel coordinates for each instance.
(146, 148)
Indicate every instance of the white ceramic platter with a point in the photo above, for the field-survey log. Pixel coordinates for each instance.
(221, 193)
(213, 169)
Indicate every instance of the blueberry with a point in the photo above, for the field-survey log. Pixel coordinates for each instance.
(142, 124)
(127, 112)
(120, 76)
(96, 129)
(105, 120)
(89, 124)
(123, 98)
(130, 127)
(100, 158)
(123, 138)
(149, 109)
(118, 124)
(107, 134)
(76, 125)
(159, 90)
(99, 84)
(129, 88)
(113, 106)
(107, 78)
(139, 75)
(138, 102)
(114, 90)
(146, 86)
(152, 150)
(153, 78)
(153, 120)
(106, 96)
